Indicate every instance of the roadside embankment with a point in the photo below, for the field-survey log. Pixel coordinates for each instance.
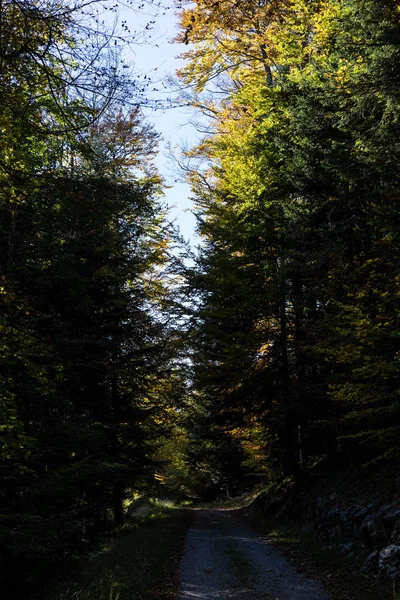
(137, 562)
(342, 528)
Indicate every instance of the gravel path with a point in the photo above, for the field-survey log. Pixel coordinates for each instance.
(226, 559)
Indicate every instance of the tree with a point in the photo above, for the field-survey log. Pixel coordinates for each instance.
(295, 192)
(84, 244)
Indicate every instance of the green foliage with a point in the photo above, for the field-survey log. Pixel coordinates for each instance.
(296, 338)
(85, 365)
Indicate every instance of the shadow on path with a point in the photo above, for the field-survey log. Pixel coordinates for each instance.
(226, 559)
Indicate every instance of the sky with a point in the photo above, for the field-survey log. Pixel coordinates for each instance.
(156, 58)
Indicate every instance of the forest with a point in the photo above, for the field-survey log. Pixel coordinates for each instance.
(131, 364)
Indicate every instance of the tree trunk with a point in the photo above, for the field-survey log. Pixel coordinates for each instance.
(288, 438)
(117, 506)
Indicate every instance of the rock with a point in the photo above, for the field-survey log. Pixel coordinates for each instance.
(139, 508)
(392, 516)
(394, 572)
(389, 560)
(345, 516)
(334, 512)
(348, 549)
(371, 564)
(372, 530)
(395, 537)
(362, 513)
(140, 511)
(388, 553)
(356, 531)
(376, 529)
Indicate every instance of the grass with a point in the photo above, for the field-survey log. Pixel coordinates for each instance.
(139, 562)
(241, 567)
(232, 503)
(339, 574)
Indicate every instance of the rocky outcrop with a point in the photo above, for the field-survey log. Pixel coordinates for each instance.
(370, 532)
(355, 517)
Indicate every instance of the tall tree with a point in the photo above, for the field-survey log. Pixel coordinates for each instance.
(295, 192)
(84, 243)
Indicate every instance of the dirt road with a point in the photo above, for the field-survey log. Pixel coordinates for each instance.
(224, 558)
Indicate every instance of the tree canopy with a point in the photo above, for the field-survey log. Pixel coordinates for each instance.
(295, 349)
(274, 351)
(85, 360)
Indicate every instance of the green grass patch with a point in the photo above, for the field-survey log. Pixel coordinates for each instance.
(138, 562)
(339, 574)
(241, 567)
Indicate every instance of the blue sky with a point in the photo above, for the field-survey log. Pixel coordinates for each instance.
(156, 58)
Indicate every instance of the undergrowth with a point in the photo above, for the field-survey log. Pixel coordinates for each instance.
(137, 562)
